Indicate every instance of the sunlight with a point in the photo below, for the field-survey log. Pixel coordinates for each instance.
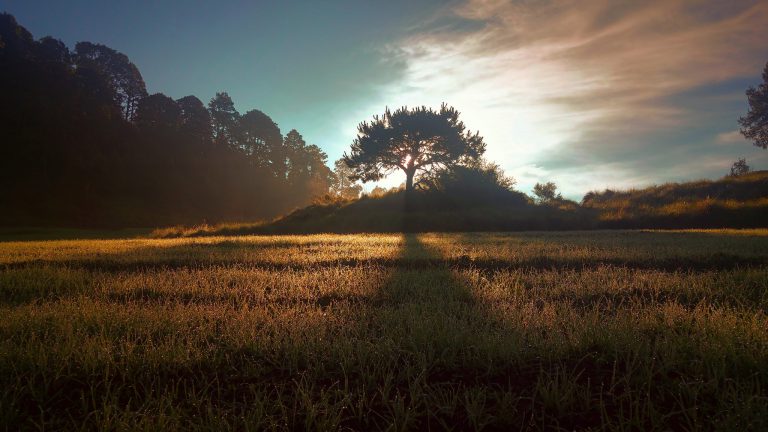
(514, 98)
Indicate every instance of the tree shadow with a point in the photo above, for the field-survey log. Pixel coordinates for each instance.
(443, 337)
(453, 343)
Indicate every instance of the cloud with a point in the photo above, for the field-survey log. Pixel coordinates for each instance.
(731, 137)
(584, 92)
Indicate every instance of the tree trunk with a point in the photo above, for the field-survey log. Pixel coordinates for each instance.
(409, 180)
(409, 174)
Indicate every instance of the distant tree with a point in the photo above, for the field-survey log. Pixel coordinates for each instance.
(342, 184)
(414, 141)
(125, 78)
(754, 125)
(53, 50)
(297, 160)
(307, 176)
(546, 192)
(261, 139)
(195, 120)
(158, 112)
(739, 168)
(15, 41)
(224, 120)
(377, 192)
(320, 176)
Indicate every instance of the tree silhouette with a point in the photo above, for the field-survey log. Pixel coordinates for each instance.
(158, 112)
(195, 121)
(754, 125)
(53, 50)
(224, 118)
(125, 78)
(414, 141)
(261, 139)
(294, 146)
(319, 176)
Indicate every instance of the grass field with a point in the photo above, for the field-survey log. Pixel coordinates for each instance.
(579, 330)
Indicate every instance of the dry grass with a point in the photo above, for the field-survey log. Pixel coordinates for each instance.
(598, 330)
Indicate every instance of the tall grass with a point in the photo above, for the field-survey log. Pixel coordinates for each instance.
(549, 331)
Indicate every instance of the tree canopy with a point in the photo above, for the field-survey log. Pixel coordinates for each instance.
(754, 125)
(123, 76)
(415, 141)
(546, 192)
(739, 168)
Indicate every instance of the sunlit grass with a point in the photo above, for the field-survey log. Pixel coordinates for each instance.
(633, 330)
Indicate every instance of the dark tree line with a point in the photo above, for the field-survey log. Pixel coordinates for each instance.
(82, 143)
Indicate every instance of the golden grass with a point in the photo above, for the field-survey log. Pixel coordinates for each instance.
(591, 330)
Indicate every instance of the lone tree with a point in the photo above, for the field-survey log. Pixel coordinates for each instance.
(739, 168)
(754, 125)
(546, 192)
(413, 140)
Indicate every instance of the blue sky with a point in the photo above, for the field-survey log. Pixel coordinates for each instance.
(607, 94)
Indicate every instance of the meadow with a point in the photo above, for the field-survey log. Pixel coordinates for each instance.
(599, 330)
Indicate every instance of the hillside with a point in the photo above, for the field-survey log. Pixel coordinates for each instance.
(432, 211)
(727, 202)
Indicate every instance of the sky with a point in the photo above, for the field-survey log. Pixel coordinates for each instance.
(590, 94)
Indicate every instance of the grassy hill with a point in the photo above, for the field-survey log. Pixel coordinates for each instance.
(739, 202)
(730, 202)
(429, 211)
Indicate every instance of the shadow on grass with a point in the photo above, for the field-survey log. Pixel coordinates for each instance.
(456, 370)
(466, 364)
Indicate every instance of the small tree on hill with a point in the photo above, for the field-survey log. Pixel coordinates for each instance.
(754, 125)
(412, 140)
(739, 168)
(546, 192)
(342, 184)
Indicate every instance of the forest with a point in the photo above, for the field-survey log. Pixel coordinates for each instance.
(82, 143)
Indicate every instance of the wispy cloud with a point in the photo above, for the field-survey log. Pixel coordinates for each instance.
(732, 137)
(559, 88)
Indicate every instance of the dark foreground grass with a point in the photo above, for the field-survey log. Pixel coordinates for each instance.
(599, 330)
